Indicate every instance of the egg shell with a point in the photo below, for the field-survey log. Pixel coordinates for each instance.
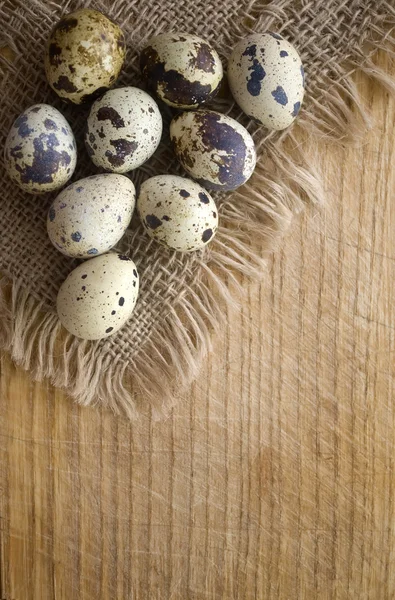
(266, 78)
(177, 212)
(84, 55)
(213, 148)
(183, 69)
(98, 297)
(91, 215)
(124, 129)
(40, 152)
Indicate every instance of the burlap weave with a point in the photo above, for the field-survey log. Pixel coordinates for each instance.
(182, 297)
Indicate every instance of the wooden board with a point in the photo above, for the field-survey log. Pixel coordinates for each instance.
(273, 478)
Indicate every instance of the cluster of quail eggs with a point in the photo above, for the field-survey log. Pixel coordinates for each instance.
(83, 58)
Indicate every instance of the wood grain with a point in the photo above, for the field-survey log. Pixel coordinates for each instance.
(274, 477)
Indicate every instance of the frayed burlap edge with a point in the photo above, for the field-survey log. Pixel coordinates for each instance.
(252, 222)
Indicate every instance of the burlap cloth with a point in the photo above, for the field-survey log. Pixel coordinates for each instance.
(182, 298)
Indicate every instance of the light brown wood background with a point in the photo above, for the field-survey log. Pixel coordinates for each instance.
(274, 477)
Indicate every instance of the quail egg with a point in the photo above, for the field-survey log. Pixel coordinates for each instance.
(84, 55)
(183, 69)
(124, 129)
(266, 78)
(177, 212)
(91, 215)
(98, 296)
(213, 148)
(40, 153)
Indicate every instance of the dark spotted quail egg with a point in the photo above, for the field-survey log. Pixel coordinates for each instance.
(84, 55)
(183, 69)
(213, 148)
(99, 296)
(91, 215)
(40, 152)
(177, 212)
(124, 129)
(266, 78)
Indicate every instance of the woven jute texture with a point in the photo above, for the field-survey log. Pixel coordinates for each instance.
(182, 297)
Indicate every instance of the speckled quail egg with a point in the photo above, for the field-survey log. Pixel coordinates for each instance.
(213, 148)
(124, 129)
(91, 215)
(84, 55)
(98, 297)
(177, 212)
(40, 153)
(266, 78)
(183, 69)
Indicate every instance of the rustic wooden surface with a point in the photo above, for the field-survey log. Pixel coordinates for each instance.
(274, 477)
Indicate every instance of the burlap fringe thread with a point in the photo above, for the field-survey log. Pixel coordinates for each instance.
(171, 358)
